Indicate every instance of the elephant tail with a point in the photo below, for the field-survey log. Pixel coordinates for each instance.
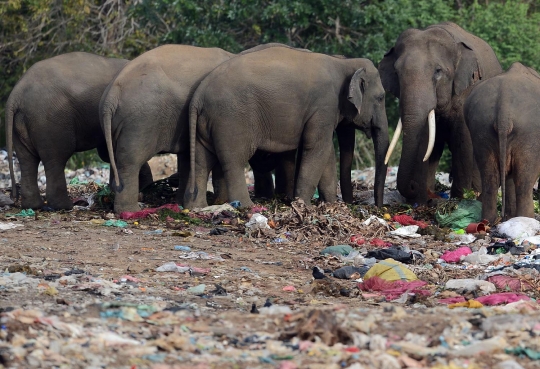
(10, 113)
(107, 113)
(193, 116)
(504, 128)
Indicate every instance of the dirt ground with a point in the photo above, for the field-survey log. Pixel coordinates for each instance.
(77, 294)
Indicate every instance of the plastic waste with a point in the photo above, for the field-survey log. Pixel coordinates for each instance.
(258, 221)
(350, 272)
(391, 270)
(393, 289)
(480, 257)
(215, 209)
(154, 232)
(172, 267)
(23, 213)
(508, 364)
(235, 204)
(455, 256)
(407, 220)
(508, 283)
(200, 255)
(196, 290)
(530, 353)
(115, 223)
(5, 200)
(182, 248)
(519, 227)
(374, 218)
(503, 248)
(460, 239)
(470, 285)
(6, 226)
(338, 250)
(275, 310)
(482, 347)
(502, 298)
(467, 212)
(145, 212)
(406, 231)
(358, 239)
(471, 304)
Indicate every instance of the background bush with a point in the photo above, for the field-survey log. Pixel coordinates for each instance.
(32, 30)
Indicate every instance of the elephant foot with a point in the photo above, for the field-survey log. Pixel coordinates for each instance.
(35, 203)
(120, 208)
(63, 203)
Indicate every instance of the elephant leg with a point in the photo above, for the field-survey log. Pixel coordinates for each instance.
(56, 192)
(328, 183)
(524, 179)
(346, 137)
(462, 160)
(510, 198)
(264, 184)
(233, 171)
(182, 175)
(490, 184)
(30, 197)
(145, 176)
(317, 148)
(285, 172)
(218, 182)
(195, 196)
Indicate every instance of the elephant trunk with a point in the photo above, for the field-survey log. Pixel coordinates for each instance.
(418, 141)
(379, 133)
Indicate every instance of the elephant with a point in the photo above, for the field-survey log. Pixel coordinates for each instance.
(278, 100)
(502, 115)
(52, 113)
(144, 111)
(432, 71)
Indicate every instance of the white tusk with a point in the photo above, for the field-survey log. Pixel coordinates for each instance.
(395, 139)
(431, 138)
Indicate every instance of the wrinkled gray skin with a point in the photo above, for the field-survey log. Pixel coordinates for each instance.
(52, 113)
(434, 69)
(502, 115)
(144, 112)
(275, 100)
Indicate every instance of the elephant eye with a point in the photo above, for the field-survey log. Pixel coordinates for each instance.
(438, 72)
(380, 98)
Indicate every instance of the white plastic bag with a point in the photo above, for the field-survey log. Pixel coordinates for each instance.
(480, 257)
(257, 221)
(519, 227)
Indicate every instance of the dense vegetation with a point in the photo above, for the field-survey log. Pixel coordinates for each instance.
(32, 30)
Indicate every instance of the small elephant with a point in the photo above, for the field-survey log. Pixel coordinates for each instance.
(431, 72)
(278, 100)
(52, 113)
(502, 114)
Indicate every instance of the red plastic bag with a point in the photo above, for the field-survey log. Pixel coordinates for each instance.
(406, 220)
(455, 256)
(144, 213)
(379, 243)
(501, 298)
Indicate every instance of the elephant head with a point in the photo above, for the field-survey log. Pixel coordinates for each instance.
(426, 70)
(364, 109)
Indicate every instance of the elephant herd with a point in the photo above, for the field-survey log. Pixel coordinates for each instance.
(277, 108)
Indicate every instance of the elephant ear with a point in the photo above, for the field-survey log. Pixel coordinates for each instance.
(389, 77)
(357, 87)
(468, 70)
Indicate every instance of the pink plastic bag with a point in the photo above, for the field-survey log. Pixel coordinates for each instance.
(455, 256)
(392, 290)
(505, 282)
(144, 213)
(452, 300)
(501, 298)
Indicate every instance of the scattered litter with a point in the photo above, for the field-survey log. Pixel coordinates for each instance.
(456, 255)
(182, 248)
(459, 215)
(6, 226)
(337, 250)
(390, 270)
(257, 221)
(407, 231)
(470, 285)
(519, 227)
(115, 223)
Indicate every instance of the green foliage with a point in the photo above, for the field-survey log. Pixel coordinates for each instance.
(33, 30)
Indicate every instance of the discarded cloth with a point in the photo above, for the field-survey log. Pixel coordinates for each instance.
(391, 253)
(337, 250)
(506, 282)
(391, 270)
(407, 220)
(393, 289)
(455, 256)
(350, 272)
(145, 212)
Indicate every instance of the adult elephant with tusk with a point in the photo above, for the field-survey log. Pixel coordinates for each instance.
(431, 71)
